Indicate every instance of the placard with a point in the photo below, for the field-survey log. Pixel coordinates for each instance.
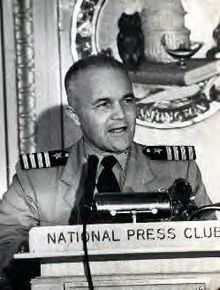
(158, 237)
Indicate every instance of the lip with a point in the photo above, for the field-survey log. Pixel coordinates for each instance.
(119, 130)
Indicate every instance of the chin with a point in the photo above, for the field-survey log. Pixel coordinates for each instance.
(120, 147)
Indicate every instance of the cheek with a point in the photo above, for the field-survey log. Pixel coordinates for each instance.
(131, 114)
(97, 124)
(100, 120)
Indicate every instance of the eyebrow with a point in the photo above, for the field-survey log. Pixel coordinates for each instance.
(131, 95)
(107, 99)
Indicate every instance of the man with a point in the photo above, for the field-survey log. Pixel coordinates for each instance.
(102, 103)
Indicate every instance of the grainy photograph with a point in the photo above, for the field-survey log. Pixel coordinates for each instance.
(109, 120)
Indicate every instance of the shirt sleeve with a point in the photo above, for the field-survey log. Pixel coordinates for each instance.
(200, 196)
(18, 213)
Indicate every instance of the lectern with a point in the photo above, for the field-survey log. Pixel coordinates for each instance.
(156, 256)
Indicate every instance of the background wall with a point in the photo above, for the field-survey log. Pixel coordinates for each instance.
(32, 98)
(8, 96)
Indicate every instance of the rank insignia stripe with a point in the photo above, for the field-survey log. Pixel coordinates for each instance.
(43, 159)
(170, 153)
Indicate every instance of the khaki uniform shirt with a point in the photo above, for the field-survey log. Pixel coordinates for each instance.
(45, 197)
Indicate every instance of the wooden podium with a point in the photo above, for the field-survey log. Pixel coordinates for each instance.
(156, 256)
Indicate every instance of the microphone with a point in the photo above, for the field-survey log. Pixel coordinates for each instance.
(151, 204)
(118, 207)
(180, 193)
(81, 212)
(87, 201)
(174, 204)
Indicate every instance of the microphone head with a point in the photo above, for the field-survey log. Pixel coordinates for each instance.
(86, 203)
(90, 178)
(93, 161)
(181, 191)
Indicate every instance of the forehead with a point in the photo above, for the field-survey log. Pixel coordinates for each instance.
(95, 82)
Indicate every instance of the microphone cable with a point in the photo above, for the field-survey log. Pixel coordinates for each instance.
(86, 264)
(204, 209)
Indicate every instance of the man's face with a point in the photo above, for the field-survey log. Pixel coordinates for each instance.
(106, 108)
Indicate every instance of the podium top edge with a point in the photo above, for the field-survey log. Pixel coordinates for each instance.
(119, 255)
(119, 225)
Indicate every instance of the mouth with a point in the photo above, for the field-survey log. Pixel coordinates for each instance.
(118, 130)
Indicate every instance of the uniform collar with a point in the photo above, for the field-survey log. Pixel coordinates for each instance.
(134, 162)
(75, 163)
(138, 172)
(137, 165)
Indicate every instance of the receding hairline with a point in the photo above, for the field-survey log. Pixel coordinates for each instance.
(87, 64)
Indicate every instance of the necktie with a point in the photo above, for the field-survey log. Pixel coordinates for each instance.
(107, 181)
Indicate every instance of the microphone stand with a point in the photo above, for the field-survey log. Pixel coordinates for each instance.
(85, 212)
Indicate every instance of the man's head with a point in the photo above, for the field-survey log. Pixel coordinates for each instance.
(101, 98)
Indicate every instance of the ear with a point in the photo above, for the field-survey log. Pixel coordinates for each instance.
(72, 115)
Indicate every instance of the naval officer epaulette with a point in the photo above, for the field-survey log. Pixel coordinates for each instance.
(43, 159)
(170, 152)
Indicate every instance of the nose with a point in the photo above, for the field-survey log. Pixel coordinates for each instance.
(118, 111)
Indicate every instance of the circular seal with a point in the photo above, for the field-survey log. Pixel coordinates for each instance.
(95, 28)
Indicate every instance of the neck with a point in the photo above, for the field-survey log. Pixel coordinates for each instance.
(91, 149)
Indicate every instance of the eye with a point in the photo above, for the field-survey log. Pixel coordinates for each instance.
(102, 104)
(129, 99)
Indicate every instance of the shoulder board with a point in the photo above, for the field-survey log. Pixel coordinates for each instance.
(170, 153)
(43, 159)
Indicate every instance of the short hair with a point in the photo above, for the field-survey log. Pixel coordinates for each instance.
(92, 61)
